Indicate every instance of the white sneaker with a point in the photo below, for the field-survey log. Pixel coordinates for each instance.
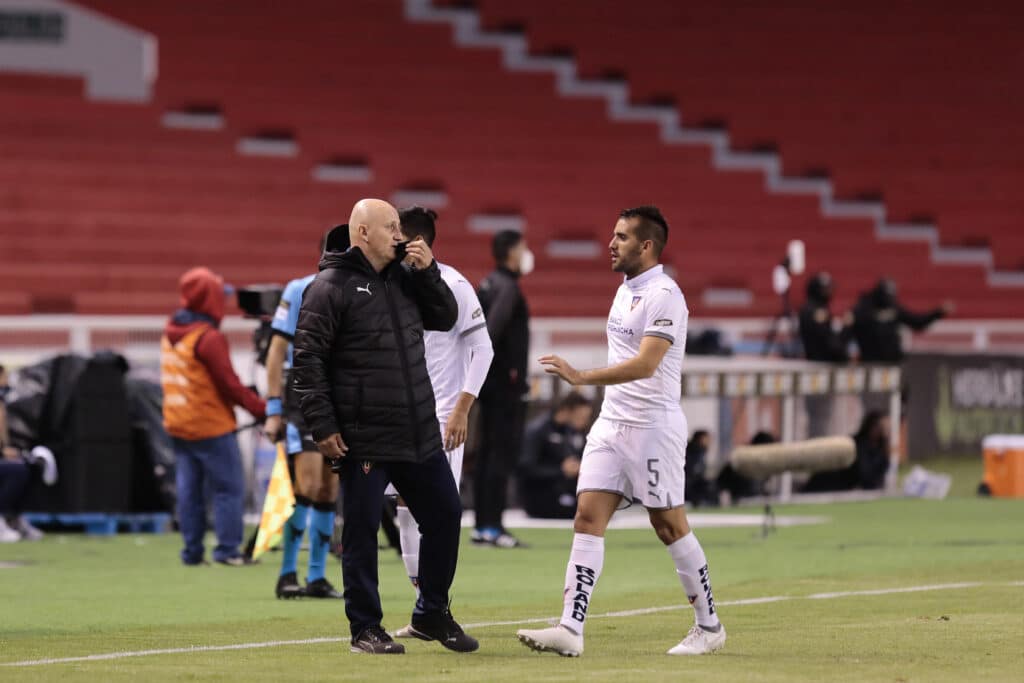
(7, 534)
(555, 639)
(700, 642)
(42, 454)
(404, 632)
(27, 531)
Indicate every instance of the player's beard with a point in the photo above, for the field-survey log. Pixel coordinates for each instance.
(628, 264)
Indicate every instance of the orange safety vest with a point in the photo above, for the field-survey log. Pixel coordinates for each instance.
(193, 408)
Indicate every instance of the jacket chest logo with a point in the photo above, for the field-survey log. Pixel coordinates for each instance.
(636, 300)
(365, 289)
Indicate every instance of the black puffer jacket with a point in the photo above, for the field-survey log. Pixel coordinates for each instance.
(359, 366)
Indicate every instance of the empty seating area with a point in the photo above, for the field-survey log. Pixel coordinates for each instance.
(913, 102)
(102, 207)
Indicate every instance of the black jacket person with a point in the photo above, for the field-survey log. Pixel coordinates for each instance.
(877, 318)
(361, 378)
(821, 341)
(502, 407)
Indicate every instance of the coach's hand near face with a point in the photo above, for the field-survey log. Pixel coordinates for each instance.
(418, 254)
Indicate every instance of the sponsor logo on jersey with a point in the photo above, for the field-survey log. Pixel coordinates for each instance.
(580, 593)
(367, 466)
(615, 325)
(705, 582)
(282, 311)
(663, 322)
(477, 313)
(636, 300)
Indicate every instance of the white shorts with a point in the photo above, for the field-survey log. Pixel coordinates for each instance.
(454, 461)
(643, 465)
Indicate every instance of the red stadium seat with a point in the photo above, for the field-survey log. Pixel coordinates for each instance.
(120, 205)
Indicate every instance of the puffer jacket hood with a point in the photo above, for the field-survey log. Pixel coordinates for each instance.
(335, 245)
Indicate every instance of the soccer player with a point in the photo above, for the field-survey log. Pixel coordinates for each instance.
(316, 487)
(457, 362)
(636, 449)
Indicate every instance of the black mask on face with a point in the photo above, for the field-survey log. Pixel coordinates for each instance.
(400, 250)
(819, 288)
(884, 294)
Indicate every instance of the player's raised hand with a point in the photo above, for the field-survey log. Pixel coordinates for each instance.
(418, 254)
(556, 365)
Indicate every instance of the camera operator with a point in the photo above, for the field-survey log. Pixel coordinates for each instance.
(200, 391)
(824, 339)
(877, 318)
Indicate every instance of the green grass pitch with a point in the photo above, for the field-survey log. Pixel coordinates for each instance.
(75, 596)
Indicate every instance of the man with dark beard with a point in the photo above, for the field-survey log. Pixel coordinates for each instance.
(635, 451)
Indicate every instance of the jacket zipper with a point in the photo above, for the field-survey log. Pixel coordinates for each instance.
(359, 401)
(405, 368)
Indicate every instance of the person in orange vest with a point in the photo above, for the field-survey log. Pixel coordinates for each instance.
(200, 392)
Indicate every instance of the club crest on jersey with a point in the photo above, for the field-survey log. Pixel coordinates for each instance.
(367, 465)
(636, 300)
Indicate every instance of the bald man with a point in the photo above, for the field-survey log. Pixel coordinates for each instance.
(360, 374)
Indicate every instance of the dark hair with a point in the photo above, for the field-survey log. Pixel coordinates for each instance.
(868, 424)
(503, 243)
(763, 437)
(651, 225)
(419, 222)
(572, 400)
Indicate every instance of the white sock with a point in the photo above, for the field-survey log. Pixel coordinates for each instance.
(581, 574)
(409, 533)
(692, 568)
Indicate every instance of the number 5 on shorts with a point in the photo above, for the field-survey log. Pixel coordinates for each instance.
(651, 462)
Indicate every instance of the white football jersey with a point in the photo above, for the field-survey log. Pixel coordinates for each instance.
(650, 304)
(447, 352)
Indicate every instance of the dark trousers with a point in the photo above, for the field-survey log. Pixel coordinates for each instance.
(546, 498)
(213, 464)
(14, 480)
(501, 430)
(429, 490)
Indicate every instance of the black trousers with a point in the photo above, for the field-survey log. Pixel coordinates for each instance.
(501, 427)
(543, 497)
(429, 490)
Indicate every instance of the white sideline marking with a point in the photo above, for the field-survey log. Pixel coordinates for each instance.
(517, 622)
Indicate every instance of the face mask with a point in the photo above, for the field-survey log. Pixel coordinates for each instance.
(526, 262)
(400, 250)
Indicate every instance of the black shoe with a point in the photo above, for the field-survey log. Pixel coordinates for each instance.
(442, 627)
(375, 641)
(288, 587)
(322, 588)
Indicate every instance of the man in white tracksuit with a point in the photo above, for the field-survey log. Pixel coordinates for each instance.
(457, 362)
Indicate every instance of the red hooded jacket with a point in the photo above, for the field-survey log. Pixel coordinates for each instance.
(202, 301)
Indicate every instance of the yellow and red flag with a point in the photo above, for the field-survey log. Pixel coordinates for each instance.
(277, 506)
